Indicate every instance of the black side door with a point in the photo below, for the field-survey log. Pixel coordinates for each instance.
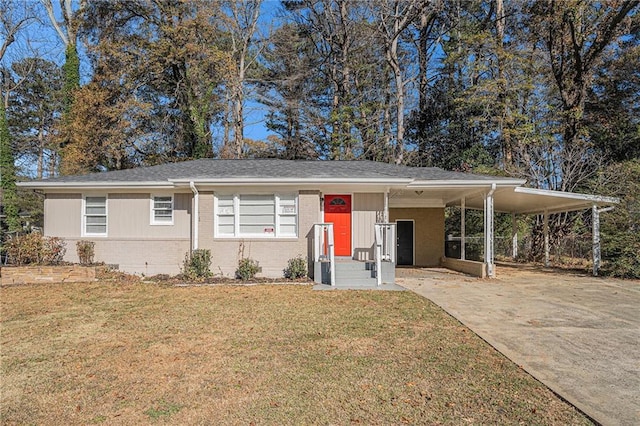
(404, 229)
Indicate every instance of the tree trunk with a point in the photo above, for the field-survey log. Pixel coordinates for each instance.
(41, 144)
(238, 110)
(507, 148)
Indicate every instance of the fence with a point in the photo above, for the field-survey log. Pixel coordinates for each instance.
(568, 249)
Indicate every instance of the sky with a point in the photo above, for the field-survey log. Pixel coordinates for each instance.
(39, 39)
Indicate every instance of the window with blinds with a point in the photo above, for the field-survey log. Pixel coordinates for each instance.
(257, 215)
(94, 218)
(162, 210)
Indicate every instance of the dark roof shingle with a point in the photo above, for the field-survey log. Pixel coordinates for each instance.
(212, 169)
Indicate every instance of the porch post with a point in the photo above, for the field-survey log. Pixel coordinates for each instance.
(545, 230)
(488, 232)
(463, 236)
(514, 236)
(386, 205)
(595, 235)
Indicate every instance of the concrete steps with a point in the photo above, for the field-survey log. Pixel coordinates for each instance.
(352, 273)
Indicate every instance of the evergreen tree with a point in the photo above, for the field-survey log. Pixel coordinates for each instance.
(8, 175)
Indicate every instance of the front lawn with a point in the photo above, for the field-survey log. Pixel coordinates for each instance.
(135, 353)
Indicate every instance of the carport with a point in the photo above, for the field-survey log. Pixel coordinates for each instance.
(508, 197)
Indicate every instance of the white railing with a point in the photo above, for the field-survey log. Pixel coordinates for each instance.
(323, 247)
(385, 250)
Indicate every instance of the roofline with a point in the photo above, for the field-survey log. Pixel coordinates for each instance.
(271, 181)
(458, 183)
(172, 183)
(571, 195)
(71, 185)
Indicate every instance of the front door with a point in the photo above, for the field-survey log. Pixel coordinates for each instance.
(337, 210)
(405, 242)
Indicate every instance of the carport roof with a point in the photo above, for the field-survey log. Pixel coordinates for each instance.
(523, 200)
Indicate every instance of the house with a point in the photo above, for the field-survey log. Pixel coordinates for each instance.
(332, 212)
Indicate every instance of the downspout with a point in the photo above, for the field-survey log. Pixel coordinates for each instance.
(196, 214)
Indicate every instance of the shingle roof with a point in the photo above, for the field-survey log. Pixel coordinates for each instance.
(213, 169)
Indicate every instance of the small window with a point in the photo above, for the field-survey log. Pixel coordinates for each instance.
(338, 202)
(95, 216)
(162, 210)
(226, 216)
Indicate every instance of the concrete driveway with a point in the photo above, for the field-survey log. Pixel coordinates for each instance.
(577, 334)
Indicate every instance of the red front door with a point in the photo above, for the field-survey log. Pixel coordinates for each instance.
(337, 210)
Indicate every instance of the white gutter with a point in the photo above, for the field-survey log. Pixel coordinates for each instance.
(71, 185)
(196, 215)
(458, 183)
(291, 181)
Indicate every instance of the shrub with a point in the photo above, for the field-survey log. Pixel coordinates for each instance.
(35, 249)
(54, 250)
(197, 264)
(296, 268)
(247, 269)
(85, 251)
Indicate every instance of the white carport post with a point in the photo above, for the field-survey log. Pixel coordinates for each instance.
(595, 235)
(488, 232)
(514, 236)
(463, 236)
(545, 231)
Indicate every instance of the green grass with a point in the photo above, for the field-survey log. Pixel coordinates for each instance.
(141, 353)
(162, 409)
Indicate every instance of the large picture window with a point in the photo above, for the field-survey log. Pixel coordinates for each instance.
(95, 216)
(257, 215)
(162, 210)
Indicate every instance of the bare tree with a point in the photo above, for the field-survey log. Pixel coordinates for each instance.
(575, 35)
(394, 17)
(241, 24)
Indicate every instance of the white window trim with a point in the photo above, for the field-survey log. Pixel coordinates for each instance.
(236, 215)
(83, 230)
(152, 217)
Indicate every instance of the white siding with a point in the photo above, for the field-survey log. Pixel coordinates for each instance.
(367, 209)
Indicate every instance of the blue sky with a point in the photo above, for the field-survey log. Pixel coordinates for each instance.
(40, 39)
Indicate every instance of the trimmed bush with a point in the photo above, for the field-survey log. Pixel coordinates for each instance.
(296, 268)
(34, 249)
(85, 250)
(54, 250)
(197, 264)
(247, 269)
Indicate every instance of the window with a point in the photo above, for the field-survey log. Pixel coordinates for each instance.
(257, 215)
(95, 216)
(162, 210)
